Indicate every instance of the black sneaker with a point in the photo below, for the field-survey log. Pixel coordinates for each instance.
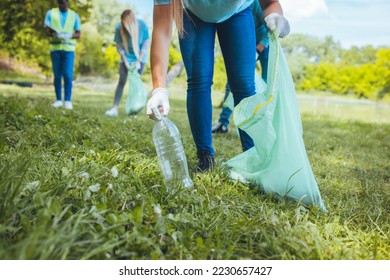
(219, 128)
(205, 163)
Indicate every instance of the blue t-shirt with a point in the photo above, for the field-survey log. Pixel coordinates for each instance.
(260, 27)
(63, 16)
(212, 10)
(143, 35)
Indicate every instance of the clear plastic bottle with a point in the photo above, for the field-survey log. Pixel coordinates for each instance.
(170, 153)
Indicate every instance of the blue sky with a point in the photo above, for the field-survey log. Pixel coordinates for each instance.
(351, 22)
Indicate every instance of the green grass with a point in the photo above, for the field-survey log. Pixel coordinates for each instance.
(6, 75)
(59, 199)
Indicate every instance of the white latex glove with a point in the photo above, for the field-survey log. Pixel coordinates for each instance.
(137, 65)
(64, 36)
(60, 35)
(278, 22)
(158, 104)
(127, 65)
(67, 36)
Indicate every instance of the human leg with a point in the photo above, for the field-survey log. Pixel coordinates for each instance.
(223, 122)
(174, 72)
(56, 67)
(121, 84)
(67, 70)
(113, 112)
(197, 48)
(226, 112)
(238, 45)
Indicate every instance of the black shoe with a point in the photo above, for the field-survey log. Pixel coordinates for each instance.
(219, 128)
(205, 163)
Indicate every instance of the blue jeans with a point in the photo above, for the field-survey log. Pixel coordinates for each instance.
(237, 40)
(263, 58)
(226, 112)
(63, 63)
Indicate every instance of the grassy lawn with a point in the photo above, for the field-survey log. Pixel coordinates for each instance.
(60, 197)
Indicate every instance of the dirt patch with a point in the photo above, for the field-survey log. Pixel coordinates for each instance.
(8, 63)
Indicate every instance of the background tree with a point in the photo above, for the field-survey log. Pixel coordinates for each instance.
(105, 14)
(303, 50)
(21, 28)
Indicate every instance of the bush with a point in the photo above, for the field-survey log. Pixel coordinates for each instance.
(90, 57)
(369, 80)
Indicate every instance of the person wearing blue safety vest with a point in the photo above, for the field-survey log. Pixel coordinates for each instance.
(63, 26)
(198, 21)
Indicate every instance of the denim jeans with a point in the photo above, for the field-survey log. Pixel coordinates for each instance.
(62, 64)
(237, 40)
(263, 58)
(226, 112)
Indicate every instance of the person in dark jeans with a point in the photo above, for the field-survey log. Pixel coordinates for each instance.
(233, 22)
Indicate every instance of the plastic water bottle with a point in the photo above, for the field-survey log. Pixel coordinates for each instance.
(170, 153)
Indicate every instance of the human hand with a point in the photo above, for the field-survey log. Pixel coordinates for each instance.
(260, 47)
(127, 65)
(158, 105)
(67, 36)
(64, 36)
(137, 65)
(279, 23)
(50, 31)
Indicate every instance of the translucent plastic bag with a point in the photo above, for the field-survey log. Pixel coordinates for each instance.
(278, 163)
(136, 100)
(260, 87)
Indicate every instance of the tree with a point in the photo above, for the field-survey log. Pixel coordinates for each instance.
(383, 71)
(105, 15)
(22, 19)
(359, 55)
(90, 52)
(314, 49)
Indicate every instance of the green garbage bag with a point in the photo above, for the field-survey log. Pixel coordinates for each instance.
(136, 99)
(260, 87)
(278, 162)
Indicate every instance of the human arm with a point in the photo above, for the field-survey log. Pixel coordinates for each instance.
(47, 25)
(77, 28)
(121, 51)
(76, 34)
(273, 16)
(161, 39)
(260, 47)
(142, 53)
(50, 32)
(260, 27)
(144, 50)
